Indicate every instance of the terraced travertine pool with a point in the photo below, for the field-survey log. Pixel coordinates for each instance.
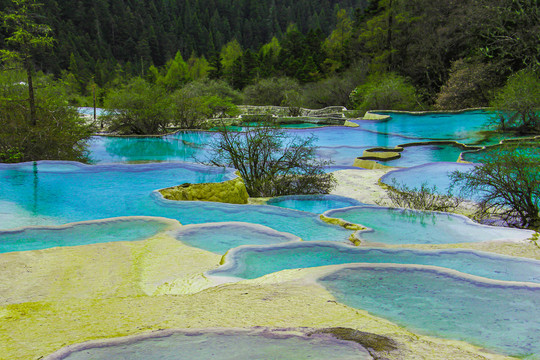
(489, 300)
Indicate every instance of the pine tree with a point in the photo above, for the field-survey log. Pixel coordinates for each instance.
(25, 37)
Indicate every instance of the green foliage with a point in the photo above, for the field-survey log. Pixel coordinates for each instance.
(337, 44)
(335, 89)
(229, 54)
(208, 87)
(59, 133)
(272, 162)
(25, 34)
(26, 37)
(139, 108)
(507, 184)
(423, 198)
(177, 73)
(272, 91)
(518, 103)
(307, 41)
(384, 92)
(468, 86)
(217, 107)
(510, 34)
(198, 67)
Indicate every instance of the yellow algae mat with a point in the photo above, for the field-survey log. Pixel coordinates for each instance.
(61, 296)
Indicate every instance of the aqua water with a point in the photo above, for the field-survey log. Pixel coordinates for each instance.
(464, 126)
(422, 154)
(129, 229)
(432, 174)
(54, 193)
(501, 316)
(250, 262)
(405, 226)
(316, 204)
(221, 237)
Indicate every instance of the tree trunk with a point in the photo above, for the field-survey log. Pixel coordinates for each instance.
(389, 37)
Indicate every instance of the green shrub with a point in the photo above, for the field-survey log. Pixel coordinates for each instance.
(271, 161)
(273, 91)
(507, 184)
(59, 133)
(139, 108)
(517, 104)
(423, 198)
(387, 91)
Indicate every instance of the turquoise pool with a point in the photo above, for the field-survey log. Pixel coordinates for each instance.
(405, 226)
(464, 126)
(250, 262)
(221, 237)
(54, 193)
(422, 154)
(340, 144)
(313, 203)
(433, 174)
(527, 148)
(103, 231)
(90, 111)
(503, 316)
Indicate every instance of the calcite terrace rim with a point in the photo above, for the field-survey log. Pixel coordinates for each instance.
(234, 208)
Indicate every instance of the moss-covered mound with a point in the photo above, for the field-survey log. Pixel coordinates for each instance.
(232, 191)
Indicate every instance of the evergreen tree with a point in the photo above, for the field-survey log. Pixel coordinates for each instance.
(26, 36)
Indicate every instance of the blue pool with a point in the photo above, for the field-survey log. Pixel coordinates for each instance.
(422, 154)
(120, 229)
(503, 316)
(250, 262)
(464, 127)
(433, 174)
(313, 203)
(340, 144)
(54, 193)
(221, 237)
(404, 226)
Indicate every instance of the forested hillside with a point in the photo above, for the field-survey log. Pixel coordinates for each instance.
(100, 33)
(451, 53)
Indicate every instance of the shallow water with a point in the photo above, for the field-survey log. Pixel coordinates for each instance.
(422, 154)
(465, 126)
(130, 229)
(54, 193)
(339, 144)
(432, 174)
(313, 203)
(503, 317)
(404, 226)
(250, 262)
(64, 192)
(228, 345)
(221, 237)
